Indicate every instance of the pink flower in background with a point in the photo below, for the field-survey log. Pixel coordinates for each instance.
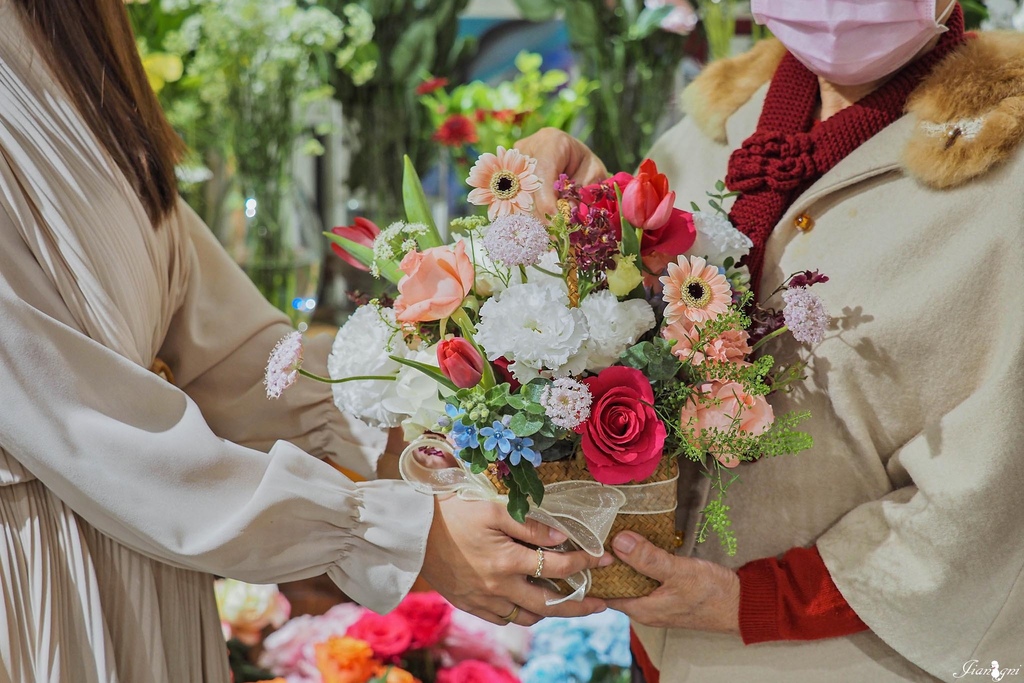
(283, 364)
(719, 406)
(472, 638)
(435, 283)
(389, 635)
(472, 671)
(682, 19)
(428, 616)
(363, 232)
(289, 651)
(504, 182)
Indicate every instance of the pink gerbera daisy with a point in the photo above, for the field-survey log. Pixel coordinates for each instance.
(504, 182)
(695, 290)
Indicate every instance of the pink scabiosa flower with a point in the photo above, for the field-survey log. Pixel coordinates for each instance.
(732, 346)
(695, 291)
(567, 402)
(504, 182)
(805, 315)
(516, 240)
(283, 365)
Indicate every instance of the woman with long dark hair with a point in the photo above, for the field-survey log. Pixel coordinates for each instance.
(122, 493)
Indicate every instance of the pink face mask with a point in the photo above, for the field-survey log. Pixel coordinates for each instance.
(851, 42)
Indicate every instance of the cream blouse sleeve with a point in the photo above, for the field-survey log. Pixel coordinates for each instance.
(159, 469)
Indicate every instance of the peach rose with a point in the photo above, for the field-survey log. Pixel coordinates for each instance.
(435, 283)
(719, 405)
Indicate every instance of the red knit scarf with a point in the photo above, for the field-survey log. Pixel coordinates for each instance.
(785, 155)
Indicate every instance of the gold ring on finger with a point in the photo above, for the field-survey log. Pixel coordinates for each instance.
(511, 615)
(540, 563)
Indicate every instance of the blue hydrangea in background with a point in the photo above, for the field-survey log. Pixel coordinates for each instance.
(581, 650)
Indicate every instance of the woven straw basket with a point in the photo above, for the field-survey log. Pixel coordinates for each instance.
(620, 580)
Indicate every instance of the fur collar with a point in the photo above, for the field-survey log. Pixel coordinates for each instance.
(969, 112)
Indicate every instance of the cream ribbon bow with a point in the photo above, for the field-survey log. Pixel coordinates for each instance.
(582, 510)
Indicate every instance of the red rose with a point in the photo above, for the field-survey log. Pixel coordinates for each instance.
(363, 232)
(388, 635)
(428, 616)
(460, 362)
(623, 438)
(473, 671)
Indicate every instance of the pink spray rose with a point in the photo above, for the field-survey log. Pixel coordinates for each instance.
(389, 635)
(471, 671)
(435, 283)
(730, 347)
(428, 616)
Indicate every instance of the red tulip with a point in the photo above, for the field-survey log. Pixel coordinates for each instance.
(460, 362)
(646, 201)
(362, 232)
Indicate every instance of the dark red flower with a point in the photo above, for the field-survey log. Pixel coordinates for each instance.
(623, 437)
(808, 278)
(430, 85)
(456, 131)
(460, 362)
(504, 374)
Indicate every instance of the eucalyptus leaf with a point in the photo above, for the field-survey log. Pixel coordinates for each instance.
(517, 506)
(523, 424)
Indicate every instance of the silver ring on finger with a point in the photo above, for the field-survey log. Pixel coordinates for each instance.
(540, 563)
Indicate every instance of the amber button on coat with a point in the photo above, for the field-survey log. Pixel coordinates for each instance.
(803, 223)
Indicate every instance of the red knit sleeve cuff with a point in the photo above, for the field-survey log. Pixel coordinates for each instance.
(759, 602)
(793, 598)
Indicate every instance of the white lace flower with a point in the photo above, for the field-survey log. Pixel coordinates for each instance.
(533, 326)
(362, 347)
(717, 239)
(283, 365)
(567, 402)
(516, 240)
(614, 326)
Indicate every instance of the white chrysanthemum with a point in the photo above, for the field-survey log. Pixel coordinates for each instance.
(283, 365)
(516, 240)
(362, 347)
(805, 315)
(717, 239)
(415, 396)
(567, 402)
(614, 326)
(533, 326)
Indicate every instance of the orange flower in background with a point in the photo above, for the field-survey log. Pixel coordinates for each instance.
(345, 660)
(456, 131)
(396, 675)
(504, 182)
(435, 283)
(695, 291)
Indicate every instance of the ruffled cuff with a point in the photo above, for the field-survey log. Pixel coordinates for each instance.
(387, 545)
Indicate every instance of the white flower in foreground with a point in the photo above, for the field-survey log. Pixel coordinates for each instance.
(246, 609)
(533, 326)
(805, 315)
(717, 239)
(415, 396)
(362, 347)
(283, 365)
(614, 326)
(567, 402)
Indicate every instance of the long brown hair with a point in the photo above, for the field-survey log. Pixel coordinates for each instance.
(90, 47)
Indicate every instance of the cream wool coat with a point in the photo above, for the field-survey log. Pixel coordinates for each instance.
(914, 490)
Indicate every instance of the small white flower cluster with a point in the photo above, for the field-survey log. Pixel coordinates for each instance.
(567, 402)
(283, 365)
(805, 315)
(398, 234)
(364, 346)
(533, 326)
(516, 240)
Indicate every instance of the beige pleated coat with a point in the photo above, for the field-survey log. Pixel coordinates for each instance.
(120, 494)
(914, 491)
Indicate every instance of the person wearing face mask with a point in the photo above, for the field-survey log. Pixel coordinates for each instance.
(880, 143)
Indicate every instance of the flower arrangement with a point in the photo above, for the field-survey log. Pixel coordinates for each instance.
(616, 336)
(424, 638)
(477, 115)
